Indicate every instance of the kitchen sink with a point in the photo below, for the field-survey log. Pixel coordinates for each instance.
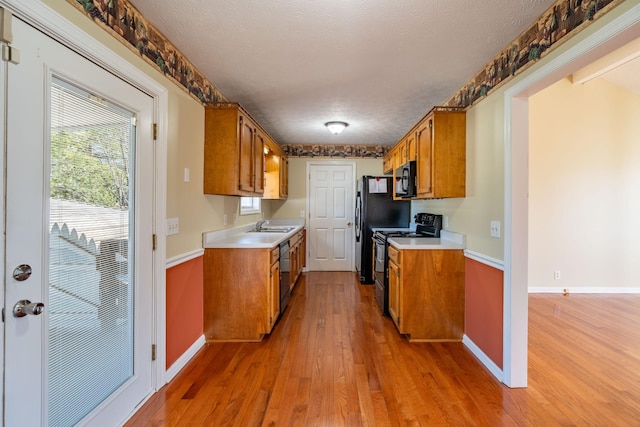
(273, 229)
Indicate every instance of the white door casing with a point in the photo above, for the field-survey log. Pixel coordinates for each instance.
(330, 187)
(27, 225)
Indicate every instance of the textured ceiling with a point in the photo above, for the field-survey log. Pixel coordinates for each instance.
(379, 65)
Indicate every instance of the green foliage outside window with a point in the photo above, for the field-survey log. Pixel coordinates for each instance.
(91, 166)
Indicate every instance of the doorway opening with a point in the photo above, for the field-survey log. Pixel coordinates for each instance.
(617, 33)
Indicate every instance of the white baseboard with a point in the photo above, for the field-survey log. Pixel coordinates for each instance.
(484, 359)
(184, 359)
(583, 290)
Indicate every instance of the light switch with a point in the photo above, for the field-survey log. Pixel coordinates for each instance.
(186, 174)
(495, 229)
(172, 226)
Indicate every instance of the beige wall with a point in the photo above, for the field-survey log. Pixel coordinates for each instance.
(298, 184)
(584, 186)
(484, 201)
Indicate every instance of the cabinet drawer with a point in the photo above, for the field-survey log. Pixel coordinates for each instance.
(275, 254)
(394, 254)
(295, 239)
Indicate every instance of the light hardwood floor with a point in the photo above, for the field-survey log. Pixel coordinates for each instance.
(333, 360)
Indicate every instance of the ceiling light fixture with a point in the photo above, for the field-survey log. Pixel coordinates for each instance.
(336, 127)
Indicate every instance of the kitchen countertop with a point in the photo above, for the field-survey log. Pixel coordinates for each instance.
(447, 241)
(243, 237)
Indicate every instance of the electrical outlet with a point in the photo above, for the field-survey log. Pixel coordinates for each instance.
(224, 219)
(301, 214)
(445, 224)
(556, 275)
(173, 226)
(187, 174)
(495, 229)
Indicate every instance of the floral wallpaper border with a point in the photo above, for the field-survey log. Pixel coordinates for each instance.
(341, 151)
(565, 17)
(123, 20)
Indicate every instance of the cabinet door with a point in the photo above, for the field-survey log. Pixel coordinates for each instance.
(246, 175)
(293, 261)
(387, 163)
(302, 252)
(410, 147)
(258, 162)
(284, 177)
(394, 293)
(274, 293)
(424, 140)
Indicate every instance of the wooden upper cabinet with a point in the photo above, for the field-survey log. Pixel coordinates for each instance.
(387, 163)
(410, 147)
(233, 152)
(246, 165)
(438, 145)
(276, 172)
(441, 161)
(284, 177)
(401, 156)
(258, 162)
(424, 142)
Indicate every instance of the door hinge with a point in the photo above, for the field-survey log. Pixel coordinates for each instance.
(6, 34)
(153, 352)
(155, 242)
(3, 315)
(10, 54)
(155, 131)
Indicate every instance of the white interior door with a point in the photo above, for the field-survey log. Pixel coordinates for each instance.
(79, 198)
(331, 191)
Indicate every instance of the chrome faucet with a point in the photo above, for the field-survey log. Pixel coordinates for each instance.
(260, 223)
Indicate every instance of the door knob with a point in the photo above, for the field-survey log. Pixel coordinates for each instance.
(24, 307)
(349, 224)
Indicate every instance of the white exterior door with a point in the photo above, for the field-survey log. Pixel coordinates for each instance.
(331, 192)
(79, 200)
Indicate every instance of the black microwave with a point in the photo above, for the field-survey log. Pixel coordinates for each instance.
(406, 180)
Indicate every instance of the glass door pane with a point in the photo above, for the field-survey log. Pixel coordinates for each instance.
(90, 322)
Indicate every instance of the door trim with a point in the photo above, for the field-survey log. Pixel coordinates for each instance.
(574, 55)
(308, 204)
(68, 34)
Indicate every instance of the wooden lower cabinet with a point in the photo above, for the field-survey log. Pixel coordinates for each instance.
(297, 256)
(426, 293)
(241, 293)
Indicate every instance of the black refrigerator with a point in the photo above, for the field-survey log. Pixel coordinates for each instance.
(375, 207)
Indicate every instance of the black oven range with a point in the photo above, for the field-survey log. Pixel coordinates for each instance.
(427, 225)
